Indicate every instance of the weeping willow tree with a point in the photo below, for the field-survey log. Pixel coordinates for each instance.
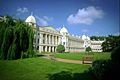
(16, 39)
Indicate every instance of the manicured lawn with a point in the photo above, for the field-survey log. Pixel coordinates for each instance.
(38, 69)
(79, 56)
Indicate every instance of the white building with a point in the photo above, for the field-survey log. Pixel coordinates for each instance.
(47, 39)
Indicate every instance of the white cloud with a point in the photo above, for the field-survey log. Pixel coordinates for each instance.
(22, 10)
(84, 30)
(85, 16)
(47, 18)
(41, 21)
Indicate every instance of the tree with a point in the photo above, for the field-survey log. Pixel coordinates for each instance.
(16, 39)
(88, 49)
(107, 69)
(60, 48)
(110, 43)
(97, 37)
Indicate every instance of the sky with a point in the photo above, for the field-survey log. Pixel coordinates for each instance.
(80, 17)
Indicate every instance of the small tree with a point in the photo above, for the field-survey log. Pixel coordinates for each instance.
(60, 48)
(88, 49)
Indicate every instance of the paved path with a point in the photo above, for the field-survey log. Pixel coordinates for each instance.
(69, 61)
(48, 56)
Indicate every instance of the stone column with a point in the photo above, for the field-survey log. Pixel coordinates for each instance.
(46, 39)
(53, 49)
(52, 39)
(49, 48)
(40, 48)
(41, 38)
(49, 39)
(45, 48)
(56, 40)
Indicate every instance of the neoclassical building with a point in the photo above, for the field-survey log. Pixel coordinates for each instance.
(47, 39)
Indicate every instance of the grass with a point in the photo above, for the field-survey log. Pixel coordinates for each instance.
(79, 56)
(37, 69)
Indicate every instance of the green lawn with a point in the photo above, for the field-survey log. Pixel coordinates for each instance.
(79, 56)
(38, 69)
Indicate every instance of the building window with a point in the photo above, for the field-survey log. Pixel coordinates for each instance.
(63, 43)
(38, 41)
(37, 47)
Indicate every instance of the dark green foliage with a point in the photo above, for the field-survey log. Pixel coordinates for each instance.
(88, 49)
(115, 66)
(60, 48)
(115, 56)
(107, 69)
(111, 43)
(64, 75)
(68, 75)
(99, 68)
(97, 37)
(16, 39)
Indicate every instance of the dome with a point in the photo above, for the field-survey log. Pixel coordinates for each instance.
(30, 19)
(84, 37)
(88, 38)
(64, 30)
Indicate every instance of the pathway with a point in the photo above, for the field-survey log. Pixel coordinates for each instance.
(48, 56)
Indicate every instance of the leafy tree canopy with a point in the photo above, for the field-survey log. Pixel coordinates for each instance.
(110, 43)
(60, 48)
(16, 39)
(88, 49)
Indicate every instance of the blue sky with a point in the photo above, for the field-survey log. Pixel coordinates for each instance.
(89, 17)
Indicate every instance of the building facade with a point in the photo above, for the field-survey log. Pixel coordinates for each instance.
(47, 39)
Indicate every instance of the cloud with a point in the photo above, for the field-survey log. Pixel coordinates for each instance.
(22, 10)
(84, 30)
(41, 21)
(47, 18)
(85, 16)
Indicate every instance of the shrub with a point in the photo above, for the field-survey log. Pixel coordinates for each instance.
(115, 66)
(107, 69)
(115, 56)
(88, 49)
(99, 68)
(60, 48)
(64, 75)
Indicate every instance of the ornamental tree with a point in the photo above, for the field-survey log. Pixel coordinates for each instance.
(60, 48)
(88, 49)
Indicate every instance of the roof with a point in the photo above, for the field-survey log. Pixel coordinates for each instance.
(64, 30)
(85, 37)
(30, 19)
(49, 28)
